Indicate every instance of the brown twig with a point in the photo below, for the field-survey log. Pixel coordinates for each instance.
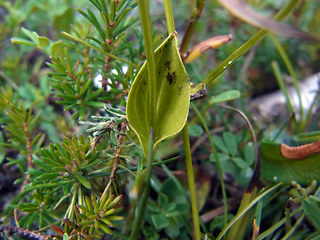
(122, 129)
(195, 15)
(27, 234)
(29, 146)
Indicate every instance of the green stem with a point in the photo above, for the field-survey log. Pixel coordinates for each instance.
(195, 15)
(191, 182)
(137, 223)
(248, 45)
(147, 35)
(277, 73)
(288, 64)
(224, 194)
(169, 16)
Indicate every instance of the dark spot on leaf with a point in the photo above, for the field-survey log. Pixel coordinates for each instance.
(167, 65)
(179, 90)
(171, 78)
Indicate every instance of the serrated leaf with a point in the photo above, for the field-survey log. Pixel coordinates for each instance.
(172, 96)
(225, 96)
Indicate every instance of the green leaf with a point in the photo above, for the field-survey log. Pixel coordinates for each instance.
(82, 180)
(195, 130)
(278, 168)
(18, 40)
(2, 151)
(172, 96)
(65, 236)
(222, 157)
(163, 200)
(225, 96)
(173, 231)
(159, 221)
(220, 144)
(56, 50)
(32, 35)
(248, 153)
(43, 42)
(311, 207)
(241, 163)
(64, 21)
(231, 143)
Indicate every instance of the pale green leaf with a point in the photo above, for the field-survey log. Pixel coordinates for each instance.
(43, 42)
(56, 49)
(172, 96)
(32, 35)
(225, 96)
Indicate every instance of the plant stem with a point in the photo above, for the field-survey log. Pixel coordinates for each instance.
(169, 16)
(277, 73)
(116, 160)
(224, 194)
(195, 15)
(293, 75)
(147, 35)
(191, 182)
(249, 44)
(145, 194)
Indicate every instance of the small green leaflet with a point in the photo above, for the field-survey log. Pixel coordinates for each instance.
(172, 96)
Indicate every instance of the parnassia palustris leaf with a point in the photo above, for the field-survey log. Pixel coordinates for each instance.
(172, 97)
(243, 11)
(280, 162)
